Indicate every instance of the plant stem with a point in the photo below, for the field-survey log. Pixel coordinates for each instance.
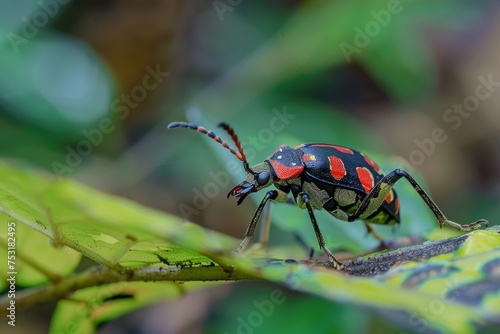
(100, 275)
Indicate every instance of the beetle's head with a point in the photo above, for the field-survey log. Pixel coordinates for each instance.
(260, 176)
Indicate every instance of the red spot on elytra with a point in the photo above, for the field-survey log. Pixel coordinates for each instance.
(396, 205)
(343, 149)
(338, 148)
(337, 168)
(366, 179)
(390, 197)
(371, 162)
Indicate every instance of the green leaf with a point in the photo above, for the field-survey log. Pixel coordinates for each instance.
(450, 293)
(30, 247)
(111, 231)
(89, 308)
(138, 243)
(106, 229)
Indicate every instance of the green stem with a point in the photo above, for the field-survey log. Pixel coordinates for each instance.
(100, 275)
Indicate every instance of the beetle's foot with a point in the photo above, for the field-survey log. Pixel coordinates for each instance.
(336, 264)
(469, 227)
(243, 245)
(333, 260)
(386, 244)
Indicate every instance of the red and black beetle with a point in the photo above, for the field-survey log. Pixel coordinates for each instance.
(344, 182)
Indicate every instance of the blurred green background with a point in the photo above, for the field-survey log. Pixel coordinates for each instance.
(87, 89)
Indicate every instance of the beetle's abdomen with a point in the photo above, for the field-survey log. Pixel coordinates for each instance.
(344, 168)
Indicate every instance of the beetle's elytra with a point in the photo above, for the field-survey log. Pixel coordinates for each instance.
(344, 182)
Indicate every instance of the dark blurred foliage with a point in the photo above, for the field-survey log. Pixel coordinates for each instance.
(88, 87)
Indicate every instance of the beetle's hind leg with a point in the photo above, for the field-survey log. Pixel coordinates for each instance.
(372, 231)
(384, 243)
(376, 196)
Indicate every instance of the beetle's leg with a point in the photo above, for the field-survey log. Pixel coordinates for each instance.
(265, 226)
(372, 231)
(249, 234)
(383, 243)
(376, 197)
(333, 260)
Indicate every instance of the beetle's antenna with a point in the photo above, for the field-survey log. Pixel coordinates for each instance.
(234, 137)
(212, 135)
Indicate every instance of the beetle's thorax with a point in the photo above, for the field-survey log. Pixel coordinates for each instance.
(286, 163)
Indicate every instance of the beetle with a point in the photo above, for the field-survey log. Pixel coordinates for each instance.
(344, 182)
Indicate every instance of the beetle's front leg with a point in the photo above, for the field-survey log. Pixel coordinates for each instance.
(276, 195)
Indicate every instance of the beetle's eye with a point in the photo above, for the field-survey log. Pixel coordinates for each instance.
(263, 178)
